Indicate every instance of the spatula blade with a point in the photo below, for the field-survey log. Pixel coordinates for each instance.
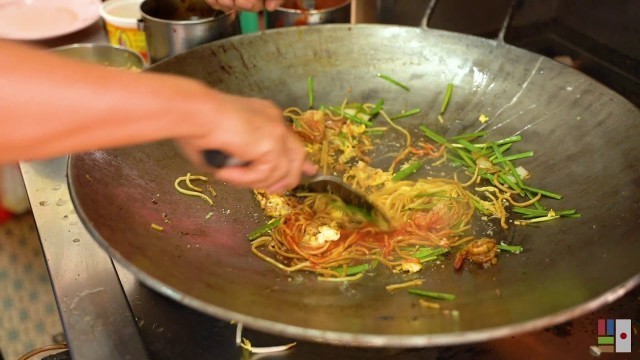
(334, 185)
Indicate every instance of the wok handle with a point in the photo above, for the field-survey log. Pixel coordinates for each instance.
(424, 23)
(219, 159)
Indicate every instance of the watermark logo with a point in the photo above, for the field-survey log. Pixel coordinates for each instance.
(614, 335)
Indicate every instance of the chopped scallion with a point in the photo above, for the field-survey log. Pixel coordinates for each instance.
(351, 270)
(351, 117)
(405, 114)
(516, 249)
(508, 140)
(469, 136)
(408, 170)
(523, 155)
(433, 135)
(310, 81)
(447, 98)
(393, 81)
(264, 229)
(376, 109)
(432, 294)
(543, 192)
(469, 146)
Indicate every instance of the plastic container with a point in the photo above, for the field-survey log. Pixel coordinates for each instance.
(121, 22)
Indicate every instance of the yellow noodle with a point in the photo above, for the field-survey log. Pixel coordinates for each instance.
(176, 184)
(411, 283)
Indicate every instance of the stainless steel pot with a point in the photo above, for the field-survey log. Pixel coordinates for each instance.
(292, 13)
(172, 27)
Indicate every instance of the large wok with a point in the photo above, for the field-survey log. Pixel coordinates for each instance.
(585, 142)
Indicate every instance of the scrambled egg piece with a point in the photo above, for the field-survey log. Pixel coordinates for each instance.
(327, 233)
(363, 176)
(316, 236)
(348, 153)
(272, 204)
(409, 266)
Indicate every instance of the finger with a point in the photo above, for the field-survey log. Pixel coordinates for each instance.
(279, 187)
(273, 4)
(309, 168)
(213, 3)
(194, 156)
(242, 177)
(248, 5)
(264, 171)
(297, 154)
(223, 5)
(216, 4)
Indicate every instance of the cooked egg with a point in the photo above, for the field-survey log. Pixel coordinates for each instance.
(316, 236)
(409, 266)
(272, 204)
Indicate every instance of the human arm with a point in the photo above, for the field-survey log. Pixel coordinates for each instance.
(52, 106)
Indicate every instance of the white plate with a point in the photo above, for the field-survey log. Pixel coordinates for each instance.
(44, 19)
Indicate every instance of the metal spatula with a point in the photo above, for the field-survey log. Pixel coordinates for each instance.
(317, 183)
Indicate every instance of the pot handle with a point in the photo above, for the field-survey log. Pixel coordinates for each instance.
(424, 23)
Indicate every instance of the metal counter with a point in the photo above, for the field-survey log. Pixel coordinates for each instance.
(108, 314)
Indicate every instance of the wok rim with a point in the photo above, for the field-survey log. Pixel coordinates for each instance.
(344, 338)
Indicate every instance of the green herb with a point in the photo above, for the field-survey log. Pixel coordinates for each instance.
(351, 270)
(523, 155)
(469, 136)
(505, 179)
(468, 159)
(425, 252)
(376, 130)
(353, 118)
(462, 151)
(433, 135)
(432, 294)
(536, 212)
(355, 210)
(405, 114)
(469, 146)
(393, 81)
(543, 192)
(508, 140)
(447, 98)
(264, 229)
(407, 170)
(310, 82)
(535, 220)
(376, 109)
(516, 249)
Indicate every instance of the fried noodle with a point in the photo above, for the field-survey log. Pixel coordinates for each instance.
(319, 233)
